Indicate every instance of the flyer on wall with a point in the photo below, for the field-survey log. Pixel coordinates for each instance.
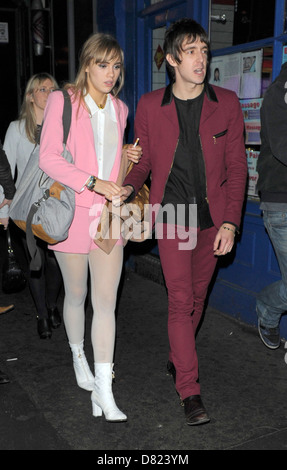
(251, 114)
(240, 72)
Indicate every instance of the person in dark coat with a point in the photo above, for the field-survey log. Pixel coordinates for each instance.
(272, 188)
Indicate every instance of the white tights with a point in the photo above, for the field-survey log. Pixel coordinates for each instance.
(105, 272)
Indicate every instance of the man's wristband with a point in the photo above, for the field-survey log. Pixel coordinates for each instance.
(91, 183)
(228, 228)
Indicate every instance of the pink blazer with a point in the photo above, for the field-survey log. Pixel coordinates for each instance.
(80, 143)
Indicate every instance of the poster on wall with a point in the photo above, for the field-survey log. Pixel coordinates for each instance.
(251, 114)
(240, 72)
(251, 72)
(225, 72)
(252, 158)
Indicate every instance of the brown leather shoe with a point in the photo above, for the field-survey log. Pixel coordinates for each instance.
(6, 309)
(195, 413)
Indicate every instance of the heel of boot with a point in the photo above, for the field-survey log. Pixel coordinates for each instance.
(108, 408)
(102, 395)
(97, 410)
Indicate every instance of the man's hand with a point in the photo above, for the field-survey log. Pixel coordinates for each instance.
(224, 240)
(126, 192)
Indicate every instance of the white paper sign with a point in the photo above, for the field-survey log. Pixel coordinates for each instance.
(240, 72)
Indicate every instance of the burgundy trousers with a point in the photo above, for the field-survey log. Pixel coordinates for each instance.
(187, 274)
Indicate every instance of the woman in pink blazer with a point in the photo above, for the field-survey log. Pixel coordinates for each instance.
(95, 141)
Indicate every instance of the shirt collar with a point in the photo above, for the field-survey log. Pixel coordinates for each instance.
(108, 109)
(168, 95)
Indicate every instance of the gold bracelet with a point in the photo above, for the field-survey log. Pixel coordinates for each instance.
(230, 229)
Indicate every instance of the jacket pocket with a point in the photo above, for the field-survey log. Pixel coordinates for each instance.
(220, 134)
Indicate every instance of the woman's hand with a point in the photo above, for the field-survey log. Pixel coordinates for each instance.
(4, 221)
(125, 193)
(5, 202)
(133, 154)
(109, 189)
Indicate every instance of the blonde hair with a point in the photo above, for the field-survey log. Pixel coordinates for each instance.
(99, 47)
(27, 112)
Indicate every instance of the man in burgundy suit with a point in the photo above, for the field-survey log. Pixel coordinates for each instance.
(191, 134)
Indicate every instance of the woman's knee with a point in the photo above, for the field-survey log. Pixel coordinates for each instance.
(76, 296)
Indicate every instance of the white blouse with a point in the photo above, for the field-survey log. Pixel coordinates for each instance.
(105, 129)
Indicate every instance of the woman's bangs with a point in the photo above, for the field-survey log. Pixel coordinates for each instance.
(109, 56)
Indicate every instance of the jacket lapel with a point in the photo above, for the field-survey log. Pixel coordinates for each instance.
(168, 107)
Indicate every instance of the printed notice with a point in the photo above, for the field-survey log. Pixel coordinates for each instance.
(240, 72)
(251, 115)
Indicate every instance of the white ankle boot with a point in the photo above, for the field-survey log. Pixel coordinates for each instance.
(102, 396)
(84, 376)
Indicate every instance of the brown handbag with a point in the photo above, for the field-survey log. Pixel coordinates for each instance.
(130, 221)
(138, 210)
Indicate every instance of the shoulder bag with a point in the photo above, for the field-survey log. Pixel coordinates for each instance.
(42, 207)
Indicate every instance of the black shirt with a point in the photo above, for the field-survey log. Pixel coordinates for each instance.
(187, 180)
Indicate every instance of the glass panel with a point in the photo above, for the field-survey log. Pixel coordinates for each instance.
(158, 63)
(245, 21)
(253, 20)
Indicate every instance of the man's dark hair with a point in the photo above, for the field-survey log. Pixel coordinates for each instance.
(176, 34)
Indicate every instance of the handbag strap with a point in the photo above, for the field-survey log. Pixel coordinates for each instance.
(67, 115)
(36, 261)
(66, 118)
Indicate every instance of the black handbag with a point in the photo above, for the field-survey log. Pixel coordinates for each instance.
(13, 277)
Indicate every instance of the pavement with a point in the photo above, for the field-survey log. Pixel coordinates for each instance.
(243, 384)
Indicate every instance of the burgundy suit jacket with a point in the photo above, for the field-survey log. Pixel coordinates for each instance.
(221, 135)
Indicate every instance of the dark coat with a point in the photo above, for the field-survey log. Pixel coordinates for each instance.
(272, 161)
(6, 179)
